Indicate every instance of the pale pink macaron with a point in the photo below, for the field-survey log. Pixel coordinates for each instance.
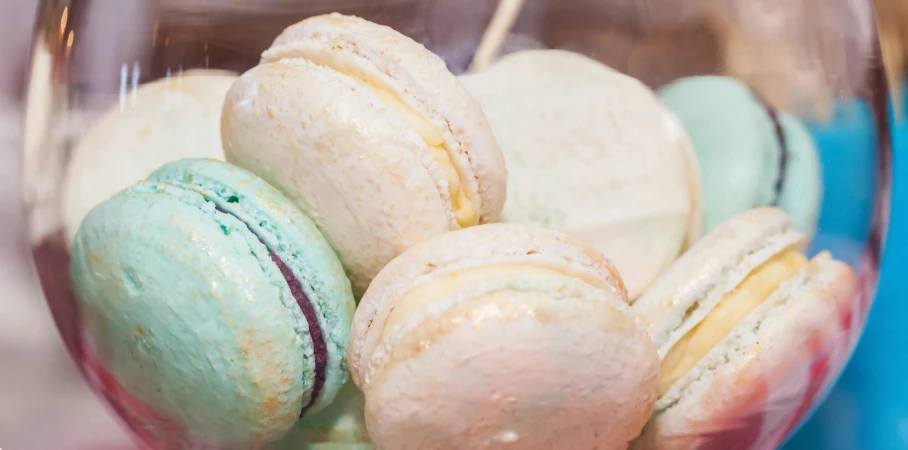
(750, 332)
(501, 336)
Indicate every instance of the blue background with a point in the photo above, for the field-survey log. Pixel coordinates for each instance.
(868, 409)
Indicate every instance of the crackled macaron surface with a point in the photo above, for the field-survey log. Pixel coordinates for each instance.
(214, 302)
(750, 155)
(592, 152)
(161, 121)
(501, 336)
(750, 333)
(368, 133)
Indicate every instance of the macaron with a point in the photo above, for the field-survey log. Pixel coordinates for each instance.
(214, 302)
(592, 152)
(152, 124)
(501, 336)
(369, 134)
(750, 155)
(749, 331)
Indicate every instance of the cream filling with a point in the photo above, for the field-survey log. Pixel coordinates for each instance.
(736, 305)
(464, 208)
(452, 283)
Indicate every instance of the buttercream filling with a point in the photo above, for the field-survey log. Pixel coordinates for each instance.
(756, 288)
(452, 283)
(320, 348)
(464, 209)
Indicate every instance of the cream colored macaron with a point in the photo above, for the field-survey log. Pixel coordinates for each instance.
(750, 333)
(370, 134)
(158, 122)
(501, 336)
(592, 152)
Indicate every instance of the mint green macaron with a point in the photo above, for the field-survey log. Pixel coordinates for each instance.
(750, 155)
(214, 302)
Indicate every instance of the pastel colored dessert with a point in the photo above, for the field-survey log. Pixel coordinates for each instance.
(750, 333)
(214, 302)
(155, 123)
(750, 156)
(592, 152)
(369, 134)
(501, 336)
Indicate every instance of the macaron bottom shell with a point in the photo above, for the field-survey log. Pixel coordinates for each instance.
(513, 370)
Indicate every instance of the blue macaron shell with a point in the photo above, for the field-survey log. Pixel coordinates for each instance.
(293, 237)
(802, 191)
(735, 141)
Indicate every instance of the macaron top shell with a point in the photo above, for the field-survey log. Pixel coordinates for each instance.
(167, 119)
(493, 244)
(183, 300)
(348, 139)
(735, 140)
(700, 278)
(592, 152)
(383, 56)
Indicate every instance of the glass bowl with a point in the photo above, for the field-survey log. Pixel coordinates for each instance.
(95, 63)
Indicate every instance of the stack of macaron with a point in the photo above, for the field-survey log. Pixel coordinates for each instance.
(364, 270)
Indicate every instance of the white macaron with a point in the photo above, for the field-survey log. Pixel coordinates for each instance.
(750, 333)
(158, 122)
(370, 135)
(501, 336)
(592, 152)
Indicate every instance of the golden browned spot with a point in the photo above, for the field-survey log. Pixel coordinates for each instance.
(144, 131)
(270, 112)
(138, 331)
(272, 405)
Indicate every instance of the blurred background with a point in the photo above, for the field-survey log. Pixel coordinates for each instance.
(44, 403)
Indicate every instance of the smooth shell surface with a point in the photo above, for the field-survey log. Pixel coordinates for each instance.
(592, 152)
(740, 152)
(158, 122)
